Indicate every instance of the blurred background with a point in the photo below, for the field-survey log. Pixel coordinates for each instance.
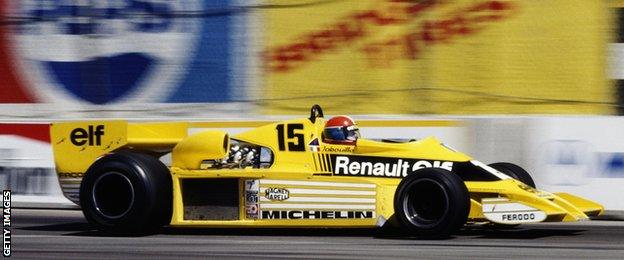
(536, 82)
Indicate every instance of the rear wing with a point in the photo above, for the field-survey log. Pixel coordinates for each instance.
(76, 145)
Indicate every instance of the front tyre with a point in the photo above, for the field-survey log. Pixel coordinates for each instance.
(432, 202)
(127, 193)
(514, 171)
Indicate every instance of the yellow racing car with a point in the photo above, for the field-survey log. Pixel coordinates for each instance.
(308, 172)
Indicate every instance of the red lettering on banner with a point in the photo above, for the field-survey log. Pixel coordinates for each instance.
(353, 27)
(375, 18)
(461, 23)
(340, 34)
(418, 8)
(411, 48)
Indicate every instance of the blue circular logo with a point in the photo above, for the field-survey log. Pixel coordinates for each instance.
(103, 52)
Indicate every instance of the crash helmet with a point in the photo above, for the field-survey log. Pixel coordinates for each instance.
(341, 130)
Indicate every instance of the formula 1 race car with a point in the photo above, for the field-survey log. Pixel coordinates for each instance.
(287, 174)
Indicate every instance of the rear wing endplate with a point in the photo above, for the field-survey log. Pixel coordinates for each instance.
(76, 145)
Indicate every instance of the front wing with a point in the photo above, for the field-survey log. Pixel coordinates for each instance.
(512, 202)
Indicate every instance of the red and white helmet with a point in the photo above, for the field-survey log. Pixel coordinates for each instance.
(341, 130)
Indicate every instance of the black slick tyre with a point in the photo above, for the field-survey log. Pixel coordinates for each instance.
(432, 202)
(127, 193)
(514, 171)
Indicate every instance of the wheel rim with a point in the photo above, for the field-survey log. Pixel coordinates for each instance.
(426, 203)
(113, 195)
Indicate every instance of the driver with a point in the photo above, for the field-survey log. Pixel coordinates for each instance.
(341, 130)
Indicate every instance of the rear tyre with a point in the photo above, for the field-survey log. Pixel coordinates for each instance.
(127, 193)
(432, 202)
(514, 171)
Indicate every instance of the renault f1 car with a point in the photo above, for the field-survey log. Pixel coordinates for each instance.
(285, 175)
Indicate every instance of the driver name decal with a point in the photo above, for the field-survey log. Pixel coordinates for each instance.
(382, 167)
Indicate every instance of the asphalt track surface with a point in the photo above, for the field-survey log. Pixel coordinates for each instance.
(65, 234)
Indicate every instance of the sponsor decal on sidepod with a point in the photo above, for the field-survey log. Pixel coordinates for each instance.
(276, 194)
(315, 214)
(382, 167)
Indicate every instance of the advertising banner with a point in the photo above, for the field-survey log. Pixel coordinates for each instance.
(116, 52)
(441, 57)
(279, 57)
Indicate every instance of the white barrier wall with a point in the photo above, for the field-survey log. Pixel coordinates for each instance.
(584, 156)
(579, 155)
(27, 168)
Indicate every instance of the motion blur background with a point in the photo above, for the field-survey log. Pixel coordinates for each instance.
(537, 82)
(278, 57)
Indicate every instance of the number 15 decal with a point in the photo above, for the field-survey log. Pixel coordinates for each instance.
(295, 140)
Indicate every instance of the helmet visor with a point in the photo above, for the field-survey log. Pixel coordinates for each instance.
(335, 133)
(348, 134)
(352, 133)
